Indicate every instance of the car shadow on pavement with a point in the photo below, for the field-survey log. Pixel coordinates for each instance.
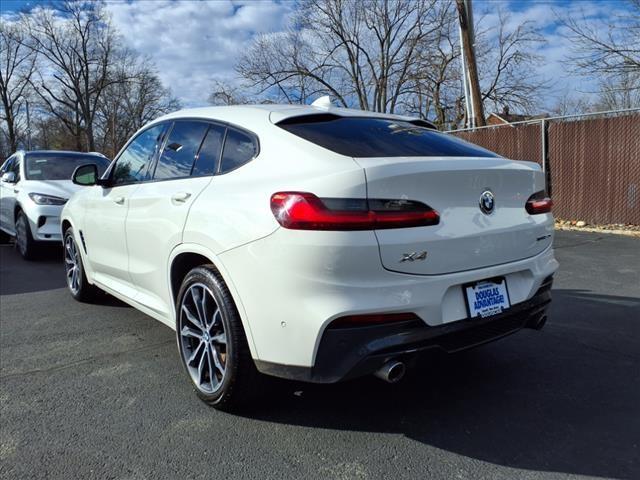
(44, 272)
(565, 399)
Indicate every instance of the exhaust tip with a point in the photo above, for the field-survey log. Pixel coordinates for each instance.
(391, 372)
(538, 324)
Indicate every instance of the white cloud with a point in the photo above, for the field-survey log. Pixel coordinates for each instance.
(193, 42)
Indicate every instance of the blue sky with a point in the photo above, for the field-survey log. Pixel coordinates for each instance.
(193, 42)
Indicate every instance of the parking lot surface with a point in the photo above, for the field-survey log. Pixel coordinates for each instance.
(97, 392)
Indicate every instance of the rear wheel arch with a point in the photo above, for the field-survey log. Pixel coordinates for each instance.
(182, 262)
(181, 265)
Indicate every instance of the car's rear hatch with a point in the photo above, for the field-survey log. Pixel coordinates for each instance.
(466, 237)
(403, 159)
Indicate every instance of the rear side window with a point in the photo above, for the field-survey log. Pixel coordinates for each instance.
(239, 148)
(180, 150)
(379, 137)
(133, 164)
(208, 158)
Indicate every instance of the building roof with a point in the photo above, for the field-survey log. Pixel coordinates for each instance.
(506, 117)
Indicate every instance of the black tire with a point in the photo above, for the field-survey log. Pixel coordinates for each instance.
(240, 380)
(84, 291)
(25, 244)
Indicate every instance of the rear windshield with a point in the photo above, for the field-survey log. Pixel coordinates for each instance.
(379, 137)
(59, 167)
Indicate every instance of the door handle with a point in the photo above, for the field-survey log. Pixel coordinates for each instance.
(16, 190)
(119, 200)
(181, 197)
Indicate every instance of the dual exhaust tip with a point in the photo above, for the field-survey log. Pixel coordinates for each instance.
(391, 372)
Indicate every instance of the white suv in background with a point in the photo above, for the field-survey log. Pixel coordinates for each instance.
(317, 244)
(33, 188)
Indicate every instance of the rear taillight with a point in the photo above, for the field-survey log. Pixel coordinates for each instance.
(539, 202)
(305, 211)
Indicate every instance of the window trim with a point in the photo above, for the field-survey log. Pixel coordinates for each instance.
(256, 140)
(253, 137)
(197, 157)
(108, 174)
(163, 144)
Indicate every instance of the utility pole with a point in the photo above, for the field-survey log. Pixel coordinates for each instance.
(469, 58)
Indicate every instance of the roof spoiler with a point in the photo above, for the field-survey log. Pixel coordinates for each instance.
(328, 117)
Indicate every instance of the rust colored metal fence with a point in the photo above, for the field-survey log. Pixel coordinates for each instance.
(593, 164)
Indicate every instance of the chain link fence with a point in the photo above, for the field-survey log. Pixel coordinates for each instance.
(592, 162)
(518, 142)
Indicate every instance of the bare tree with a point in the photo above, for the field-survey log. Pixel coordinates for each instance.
(393, 56)
(17, 66)
(134, 98)
(569, 103)
(435, 90)
(508, 61)
(78, 45)
(619, 93)
(226, 93)
(610, 51)
(361, 53)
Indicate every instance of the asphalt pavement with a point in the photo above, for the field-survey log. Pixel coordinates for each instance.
(97, 392)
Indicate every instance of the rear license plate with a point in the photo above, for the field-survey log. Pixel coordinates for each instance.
(487, 297)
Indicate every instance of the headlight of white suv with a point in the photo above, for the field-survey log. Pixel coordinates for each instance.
(42, 199)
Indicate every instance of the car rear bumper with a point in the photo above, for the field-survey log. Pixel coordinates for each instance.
(291, 285)
(346, 353)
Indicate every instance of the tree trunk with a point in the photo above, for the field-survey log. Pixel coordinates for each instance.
(11, 129)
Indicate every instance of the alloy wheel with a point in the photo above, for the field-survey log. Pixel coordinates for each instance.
(72, 264)
(203, 339)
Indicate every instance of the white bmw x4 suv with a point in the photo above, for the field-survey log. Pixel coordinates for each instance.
(317, 244)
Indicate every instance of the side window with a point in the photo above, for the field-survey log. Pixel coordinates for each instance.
(209, 156)
(239, 148)
(134, 162)
(180, 150)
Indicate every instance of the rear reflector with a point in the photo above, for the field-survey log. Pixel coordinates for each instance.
(305, 211)
(538, 203)
(352, 321)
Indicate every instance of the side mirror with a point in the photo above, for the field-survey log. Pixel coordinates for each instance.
(85, 175)
(8, 177)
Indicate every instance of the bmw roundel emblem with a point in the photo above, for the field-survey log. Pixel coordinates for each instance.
(487, 202)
